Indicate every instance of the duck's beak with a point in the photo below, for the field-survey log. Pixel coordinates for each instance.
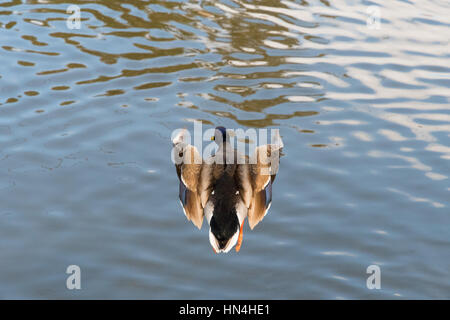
(241, 236)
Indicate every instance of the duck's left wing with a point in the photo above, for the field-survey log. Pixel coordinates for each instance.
(188, 164)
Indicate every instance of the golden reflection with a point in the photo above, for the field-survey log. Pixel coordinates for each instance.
(66, 103)
(151, 85)
(264, 57)
(26, 63)
(110, 93)
(245, 28)
(60, 88)
(31, 93)
(13, 49)
(11, 100)
(34, 41)
(44, 73)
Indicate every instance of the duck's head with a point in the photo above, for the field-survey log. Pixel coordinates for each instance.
(220, 135)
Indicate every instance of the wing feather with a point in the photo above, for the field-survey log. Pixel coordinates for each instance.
(189, 171)
(262, 174)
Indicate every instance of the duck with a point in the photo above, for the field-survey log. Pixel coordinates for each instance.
(226, 188)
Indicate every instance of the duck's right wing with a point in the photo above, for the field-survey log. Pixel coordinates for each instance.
(256, 179)
(189, 165)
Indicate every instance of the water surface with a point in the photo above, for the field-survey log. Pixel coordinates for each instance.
(86, 117)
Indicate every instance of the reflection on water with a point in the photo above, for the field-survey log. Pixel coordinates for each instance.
(86, 117)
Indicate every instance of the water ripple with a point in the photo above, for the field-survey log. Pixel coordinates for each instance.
(86, 116)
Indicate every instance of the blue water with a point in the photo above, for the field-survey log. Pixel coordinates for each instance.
(86, 117)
